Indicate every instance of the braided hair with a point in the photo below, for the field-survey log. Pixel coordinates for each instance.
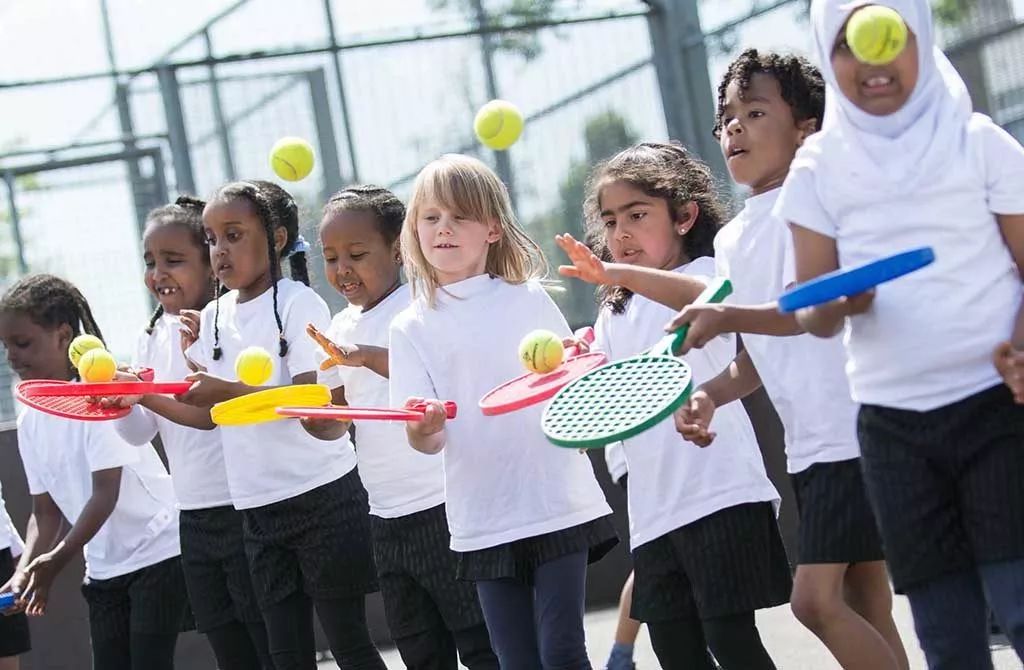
(388, 211)
(51, 302)
(275, 209)
(185, 211)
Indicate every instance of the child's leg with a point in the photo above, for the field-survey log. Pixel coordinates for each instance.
(1004, 586)
(949, 617)
(344, 624)
(153, 651)
(508, 611)
(560, 588)
(290, 632)
(110, 611)
(819, 604)
(680, 643)
(233, 648)
(432, 649)
(474, 645)
(868, 592)
(626, 631)
(159, 603)
(735, 642)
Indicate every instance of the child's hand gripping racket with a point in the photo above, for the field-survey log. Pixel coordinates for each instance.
(7, 600)
(624, 398)
(76, 400)
(536, 387)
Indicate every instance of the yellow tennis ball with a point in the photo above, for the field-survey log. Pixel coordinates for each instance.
(541, 351)
(254, 366)
(292, 158)
(876, 34)
(97, 365)
(498, 124)
(82, 344)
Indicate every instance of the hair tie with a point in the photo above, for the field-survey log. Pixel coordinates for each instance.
(299, 246)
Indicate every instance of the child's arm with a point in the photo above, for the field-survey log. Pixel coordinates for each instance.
(329, 429)
(428, 435)
(817, 254)
(44, 567)
(709, 321)
(351, 355)
(737, 381)
(1009, 355)
(139, 428)
(42, 532)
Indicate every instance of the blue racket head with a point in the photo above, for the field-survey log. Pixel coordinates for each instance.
(847, 282)
(6, 600)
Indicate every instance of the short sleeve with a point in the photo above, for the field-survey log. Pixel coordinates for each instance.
(138, 428)
(33, 474)
(788, 259)
(410, 377)
(1004, 169)
(307, 307)
(800, 204)
(615, 459)
(104, 448)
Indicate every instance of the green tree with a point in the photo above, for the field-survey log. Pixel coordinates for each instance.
(603, 135)
(525, 44)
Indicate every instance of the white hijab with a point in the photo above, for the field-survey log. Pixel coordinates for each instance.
(904, 149)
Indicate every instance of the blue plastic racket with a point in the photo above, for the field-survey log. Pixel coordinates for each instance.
(6, 600)
(847, 282)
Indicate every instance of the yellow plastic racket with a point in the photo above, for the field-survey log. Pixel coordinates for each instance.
(261, 407)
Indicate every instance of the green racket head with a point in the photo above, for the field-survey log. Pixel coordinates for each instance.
(617, 401)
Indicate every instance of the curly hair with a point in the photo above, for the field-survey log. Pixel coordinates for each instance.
(801, 83)
(186, 211)
(388, 211)
(666, 171)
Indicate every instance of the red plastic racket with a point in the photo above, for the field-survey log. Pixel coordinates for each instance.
(65, 406)
(535, 387)
(345, 413)
(109, 389)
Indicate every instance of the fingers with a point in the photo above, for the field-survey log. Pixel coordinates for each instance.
(681, 319)
(328, 364)
(569, 271)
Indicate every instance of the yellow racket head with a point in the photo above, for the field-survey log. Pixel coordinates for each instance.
(261, 407)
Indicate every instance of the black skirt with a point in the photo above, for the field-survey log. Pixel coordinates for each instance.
(518, 560)
(729, 562)
(152, 600)
(417, 573)
(837, 524)
(317, 542)
(947, 485)
(14, 636)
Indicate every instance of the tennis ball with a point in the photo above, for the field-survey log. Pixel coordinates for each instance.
(876, 34)
(97, 365)
(292, 158)
(82, 344)
(541, 351)
(254, 366)
(498, 124)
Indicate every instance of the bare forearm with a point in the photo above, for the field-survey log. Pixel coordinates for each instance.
(821, 321)
(668, 288)
(376, 359)
(736, 382)
(426, 444)
(95, 513)
(179, 413)
(760, 320)
(1017, 337)
(41, 533)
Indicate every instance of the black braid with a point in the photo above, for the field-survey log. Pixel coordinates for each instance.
(157, 313)
(217, 352)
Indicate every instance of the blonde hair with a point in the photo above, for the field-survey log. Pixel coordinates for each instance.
(467, 186)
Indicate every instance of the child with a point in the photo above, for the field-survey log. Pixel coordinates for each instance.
(117, 498)
(706, 547)
(767, 105)
(525, 516)
(430, 613)
(304, 510)
(627, 629)
(179, 278)
(14, 635)
(901, 162)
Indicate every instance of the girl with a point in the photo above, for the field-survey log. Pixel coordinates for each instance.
(902, 162)
(178, 276)
(627, 629)
(706, 548)
(525, 517)
(430, 613)
(118, 499)
(304, 510)
(14, 636)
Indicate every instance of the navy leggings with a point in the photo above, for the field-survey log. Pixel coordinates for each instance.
(539, 626)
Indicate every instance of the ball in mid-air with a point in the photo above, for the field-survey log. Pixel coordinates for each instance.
(876, 34)
(498, 124)
(254, 366)
(97, 365)
(292, 158)
(82, 344)
(541, 351)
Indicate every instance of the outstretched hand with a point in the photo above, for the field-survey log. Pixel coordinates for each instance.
(585, 265)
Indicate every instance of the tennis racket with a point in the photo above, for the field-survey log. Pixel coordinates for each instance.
(343, 413)
(261, 407)
(851, 281)
(535, 387)
(624, 398)
(64, 399)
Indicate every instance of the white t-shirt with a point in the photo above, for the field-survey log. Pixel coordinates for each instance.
(398, 479)
(803, 375)
(928, 338)
(673, 482)
(270, 462)
(504, 480)
(60, 456)
(196, 457)
(615, 459)
(9, 537)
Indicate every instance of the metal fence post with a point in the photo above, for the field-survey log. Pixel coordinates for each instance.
(12, 208)
(223, 132)
(176, 133)
(325, 132)
(503, 162)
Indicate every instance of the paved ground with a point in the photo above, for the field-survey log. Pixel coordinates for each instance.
(792, 646)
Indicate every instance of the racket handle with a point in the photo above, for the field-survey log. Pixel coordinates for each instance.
(6, 600)
(450, 408)
(717, 291)
(586, 335)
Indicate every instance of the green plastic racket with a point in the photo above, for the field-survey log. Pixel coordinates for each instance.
(624, 398)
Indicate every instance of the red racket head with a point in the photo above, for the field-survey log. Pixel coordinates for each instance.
(344, 413)
(108, 389)
(534, 387)
(66, 407)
